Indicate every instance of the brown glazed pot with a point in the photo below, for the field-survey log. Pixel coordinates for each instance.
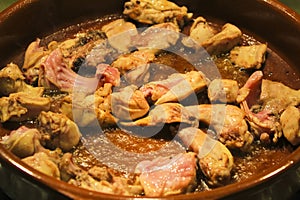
(268, 20)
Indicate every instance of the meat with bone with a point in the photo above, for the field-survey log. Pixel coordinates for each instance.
(120, 33)
(215, 160)
(249, 57)
(129, 103)
(223, 41)
(156, 12)
(223, 90)
(290, 122)
(200, 31)
(22, 106)
(58, 131)
(228, 122)
(22, 142)
(165, 176)
(55, 72)
(13, 81)
(165, 114)
(177, 87)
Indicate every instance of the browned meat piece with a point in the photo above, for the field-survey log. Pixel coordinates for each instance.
(177, 87)
(263, 102)
(135, 66)
(165, 176)
(215, 160)
(249, 57)
(227, 121)
(42, 162)
(290, 122)
(22, 106)
(128, 62)
(200, 31)
(223, 90)
(129, 103)
(156, 12)
(165, 113)
(276, 96)
(22, 142)
(54, 72)
(58, 131)
(223, 41)
(104, 182)
(158, 37)
(12, 81)
(119, 33)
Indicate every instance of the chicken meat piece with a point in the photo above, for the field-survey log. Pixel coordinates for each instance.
(166, 113)
(200, 31)
(156, 12)
(215, 160)
(120, 33)
(97, 179)
(129, 62)
(54, 72)
(227, 121)
(22, 142)
(42, 162)
(223, 90)
(249, 57)
(176, 88)
(129, 103)
(134, 67)
(22, 106)
(158, 37)
(13, 81)
(223, 41)
(34, 56)
(290, 122)
(58, 131)
(276, 96)
(165, 176)
(264, 125)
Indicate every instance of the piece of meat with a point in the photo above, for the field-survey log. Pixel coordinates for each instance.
(58, 131)
(228, 122)
(276, 96)
(290, 122)
(223, 90)
(22, 106)
(215, 160)
(165, 176)
(22, 142)
(223, 41)
(158, 37)
(129, 103)
(55, 72)
(249, 57)
(104, 182)
(128, 62)
(156, 12)
(176, 88)
(13, 81)
(43, 163)
(264, 125)
(200, 31)
(119, 34)
(165, 114)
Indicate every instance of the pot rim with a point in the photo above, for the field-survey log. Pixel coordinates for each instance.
(7, 159)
